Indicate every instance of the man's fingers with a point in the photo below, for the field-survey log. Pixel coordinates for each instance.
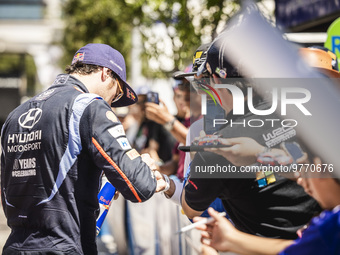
(146, 158)
(161, 183)
(205, 227)
(214, 213)
(158, 175)
(226, 141)
(149, 161)
(163, 104)
(115, 197)
(206, 241)
(202, 227)
(153, 107)
(220, 151)
(197, 219)
(150, 109)
(205, 235)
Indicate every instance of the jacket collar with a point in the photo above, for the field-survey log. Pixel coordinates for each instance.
(67, 79)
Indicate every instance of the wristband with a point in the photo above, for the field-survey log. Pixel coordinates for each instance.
(176, 197)
(167, 187)
(170, 124)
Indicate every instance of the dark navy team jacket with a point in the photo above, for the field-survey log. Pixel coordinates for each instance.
(54, 149)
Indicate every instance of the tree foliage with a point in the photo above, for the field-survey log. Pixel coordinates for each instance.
(171, 30)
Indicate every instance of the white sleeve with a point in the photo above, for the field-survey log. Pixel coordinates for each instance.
(176, 197)
(194, 131)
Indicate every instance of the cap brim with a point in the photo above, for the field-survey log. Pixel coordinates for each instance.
(184, 75)
(129, 97)
(328, 72)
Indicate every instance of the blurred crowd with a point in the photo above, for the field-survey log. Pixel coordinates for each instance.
(261, 212)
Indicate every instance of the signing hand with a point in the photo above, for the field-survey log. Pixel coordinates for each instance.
(149, 161)
(161, 183)
(242, 151)
(218, 233)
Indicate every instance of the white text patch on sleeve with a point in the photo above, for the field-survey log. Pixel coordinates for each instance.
(117, 131)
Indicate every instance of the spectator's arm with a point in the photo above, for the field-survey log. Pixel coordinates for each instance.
(223, 236)
(161, 115)
(189, 212)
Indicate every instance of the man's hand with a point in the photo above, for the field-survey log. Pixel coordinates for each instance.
(302, 176)
(223, 236)
(242, 151)
(161, 183)
(218, 233)
(161, 115)
(149, 161)
(116, 196)
(158, 113)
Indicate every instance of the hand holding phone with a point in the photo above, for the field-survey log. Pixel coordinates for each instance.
(152, 97)
(293, 149)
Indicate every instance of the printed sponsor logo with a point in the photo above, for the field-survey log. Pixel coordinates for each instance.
(24, 173)
(24, 142)
(117, 131)
(105, 201)
(278, 135)
(221, 72)
(61, 79)
(130, 94)
(111, 116)
(30, 118)
(45, 94)
(27, 163)
(124, 143)
(26, 167)
(132, 154)
(16, 164)
(119, 67)
(197, 55)
(24, 163)
(24, 147)
(24, 138)
(78, 57)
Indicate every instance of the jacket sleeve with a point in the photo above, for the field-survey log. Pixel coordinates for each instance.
(104, 136)
(2, 167)
(201, 192)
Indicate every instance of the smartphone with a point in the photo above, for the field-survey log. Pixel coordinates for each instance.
(293, 149)
(213, 112)
(152, 97)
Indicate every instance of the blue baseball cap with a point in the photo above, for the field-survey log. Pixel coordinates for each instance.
(106, 56)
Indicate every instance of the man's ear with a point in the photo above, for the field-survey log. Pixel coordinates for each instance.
(105, 73)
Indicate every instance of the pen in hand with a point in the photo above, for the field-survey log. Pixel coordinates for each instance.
(204, 221)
